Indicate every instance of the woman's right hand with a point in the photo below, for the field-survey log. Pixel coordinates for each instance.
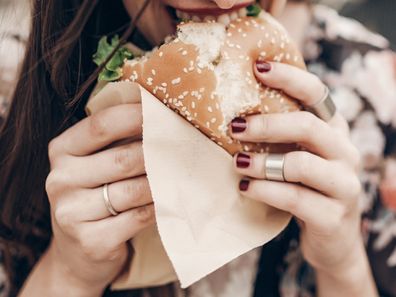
(89, 244)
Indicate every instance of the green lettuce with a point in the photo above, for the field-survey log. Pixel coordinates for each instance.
(113, 68)
(253, 10)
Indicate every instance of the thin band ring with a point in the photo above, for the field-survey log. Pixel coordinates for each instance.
(107, 202)
(274, 167)
(325, 108)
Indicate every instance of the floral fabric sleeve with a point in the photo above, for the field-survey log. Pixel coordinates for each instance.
(360, 70)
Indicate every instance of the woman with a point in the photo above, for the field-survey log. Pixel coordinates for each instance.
(63, 236)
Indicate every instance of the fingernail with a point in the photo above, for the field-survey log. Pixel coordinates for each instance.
(238, 125)
(244, 185)
(263, 66)
(243, 160)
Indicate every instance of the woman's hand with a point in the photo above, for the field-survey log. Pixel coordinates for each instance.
(89, 244)
(322, 187)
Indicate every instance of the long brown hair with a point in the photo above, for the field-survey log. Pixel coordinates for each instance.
(63, 38)
(64, 35)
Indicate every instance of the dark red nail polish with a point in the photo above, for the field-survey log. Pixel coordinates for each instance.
(263, 66)
(243, 160)
(244, 185)
(238, 125)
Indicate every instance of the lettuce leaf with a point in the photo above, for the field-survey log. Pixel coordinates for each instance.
(112, 70)
(253, 10)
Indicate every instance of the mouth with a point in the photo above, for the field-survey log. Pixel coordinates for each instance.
(224, 16)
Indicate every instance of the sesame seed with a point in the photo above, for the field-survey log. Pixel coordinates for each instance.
(153, 72)
(176, 81)
(160, 54)
(213, 120)
(210, 109)
(164, 84)
(193, 105)
(184, 53)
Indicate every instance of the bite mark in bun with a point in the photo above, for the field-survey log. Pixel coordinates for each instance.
(205, 74)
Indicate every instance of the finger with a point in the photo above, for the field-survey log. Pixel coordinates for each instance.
(99, 130)
(330, 178)
(296, 127)
(120, 93)
(103, 237)
(315, 209)
(105, 167)
(89, 205)
(127, 224)
(297, 83)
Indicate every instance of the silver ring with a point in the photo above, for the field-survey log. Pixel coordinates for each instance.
(107, 202)
(274, 167)
(325, 107)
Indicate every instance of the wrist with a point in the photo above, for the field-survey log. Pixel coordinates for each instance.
(65, 278)
(352, 277)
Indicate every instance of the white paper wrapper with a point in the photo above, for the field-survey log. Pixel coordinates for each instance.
(202, 219)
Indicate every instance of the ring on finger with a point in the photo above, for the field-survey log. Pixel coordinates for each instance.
(107, 201)
(325, 108)
(274, 167)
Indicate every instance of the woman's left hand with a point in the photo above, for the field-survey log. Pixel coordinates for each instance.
(322, 187)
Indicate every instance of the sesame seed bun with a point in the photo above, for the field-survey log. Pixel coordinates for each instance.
(205, 74)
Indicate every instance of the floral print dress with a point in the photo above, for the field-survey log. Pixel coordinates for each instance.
(360, 70)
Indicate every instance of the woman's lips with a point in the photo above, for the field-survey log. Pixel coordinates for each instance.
(212, 11)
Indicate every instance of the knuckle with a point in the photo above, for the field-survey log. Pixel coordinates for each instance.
(144, 214)
(292, 201)
(55, 183)
(65, 219)
(355, 187)
(355, 158)
(307, 122)
(98, 127)
(54, 148)
(303, 165)
(264, 126)
(126, 159)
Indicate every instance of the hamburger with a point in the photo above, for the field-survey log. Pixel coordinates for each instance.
(204, 72)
